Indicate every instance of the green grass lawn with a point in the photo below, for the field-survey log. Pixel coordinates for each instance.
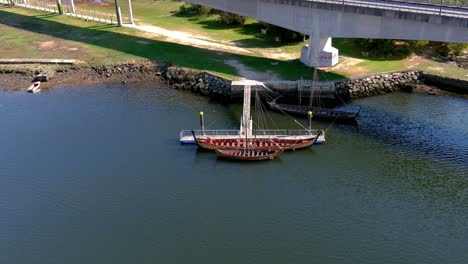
(165, 14)
(33, 34)
(24, 33)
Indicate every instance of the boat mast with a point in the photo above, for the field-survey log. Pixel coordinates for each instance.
(246, 122)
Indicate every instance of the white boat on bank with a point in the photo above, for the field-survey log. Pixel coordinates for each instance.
(35, 87)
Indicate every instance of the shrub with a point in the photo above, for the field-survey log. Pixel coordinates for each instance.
(390, 47)
(378, 47)
(231, 19)
(183, 9)
(194, 9)
(442, 49)
(457, 48)
(416, 45)
(445, 49)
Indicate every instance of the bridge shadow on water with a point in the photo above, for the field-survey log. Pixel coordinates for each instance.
(114, 38)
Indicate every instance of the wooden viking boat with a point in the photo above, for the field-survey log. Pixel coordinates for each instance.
(319, 112)
(315, 103)
(35, 87)
(263, 143)
(248, 154)
(251, 144)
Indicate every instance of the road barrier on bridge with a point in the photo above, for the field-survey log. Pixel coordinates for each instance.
(451, 8)
(443, 3)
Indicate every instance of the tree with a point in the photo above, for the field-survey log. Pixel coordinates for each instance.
(445, 49)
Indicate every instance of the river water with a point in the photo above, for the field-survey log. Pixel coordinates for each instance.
(95, 174)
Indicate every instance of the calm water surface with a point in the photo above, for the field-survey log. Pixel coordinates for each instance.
(96, 175)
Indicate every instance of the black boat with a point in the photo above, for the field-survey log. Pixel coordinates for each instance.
(318, 112)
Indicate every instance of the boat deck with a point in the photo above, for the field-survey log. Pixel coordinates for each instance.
(186, 136)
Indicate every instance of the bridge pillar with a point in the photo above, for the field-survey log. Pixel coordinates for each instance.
(130, 12)
(118, 13)
(72, 6)
(319, 52)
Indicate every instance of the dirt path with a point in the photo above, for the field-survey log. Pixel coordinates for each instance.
(248, 73)
(205, 42)
(348, 66)
(189, 39)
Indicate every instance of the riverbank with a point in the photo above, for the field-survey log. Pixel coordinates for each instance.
(19, 77)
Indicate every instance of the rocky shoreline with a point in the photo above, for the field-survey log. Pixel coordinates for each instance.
(208, 84)
(198, 82)
(375, 84)
(18, 77)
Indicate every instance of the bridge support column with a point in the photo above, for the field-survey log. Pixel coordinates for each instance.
(118, 13)
(72, 6)
(319, 52)
(130, 12)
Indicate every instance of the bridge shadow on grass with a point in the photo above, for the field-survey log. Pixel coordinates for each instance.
(111, 38)
(256, 39)
(351, 48)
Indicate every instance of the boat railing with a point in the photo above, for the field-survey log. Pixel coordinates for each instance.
(257, 132)
(302, 132)
(186, 133)
(283, 132)
(270, 132)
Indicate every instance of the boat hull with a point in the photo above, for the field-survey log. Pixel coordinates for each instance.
(248, 155)
(318, 112)
(34, 87)
(285, 142)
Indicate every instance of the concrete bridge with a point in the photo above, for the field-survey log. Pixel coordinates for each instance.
(381, 19)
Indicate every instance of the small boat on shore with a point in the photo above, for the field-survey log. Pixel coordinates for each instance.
(35, 87)
(319, 112)
(248, 154)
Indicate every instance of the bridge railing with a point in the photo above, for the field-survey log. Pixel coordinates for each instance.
(444, 3)
(453, 8)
